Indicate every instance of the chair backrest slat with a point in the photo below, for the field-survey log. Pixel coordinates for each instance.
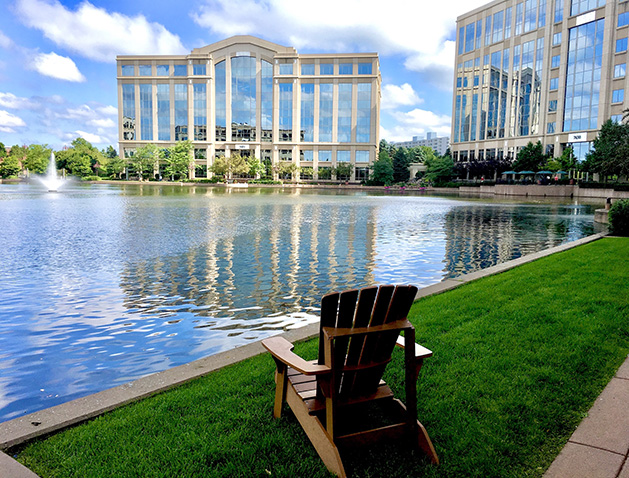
(372, 306)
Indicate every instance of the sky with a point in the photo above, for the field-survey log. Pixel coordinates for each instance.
(58, 58)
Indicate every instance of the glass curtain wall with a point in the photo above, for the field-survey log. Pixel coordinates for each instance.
(363, 112)
(146, 112)
(181, 112)
(307, 112)
(128, 111)
(583, 78)
(163, 112)
(200, 111)
(243, 98)
(266, 101)
(326, 104)
(220, 108)
(286, 112)
(344, 131)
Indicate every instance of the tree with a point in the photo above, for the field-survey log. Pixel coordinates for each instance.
(400, 166)
(144, 160)
(10, 165)
(567, 160)
(37, 158)
(530, 158)
(115, 166)
(610, 151)
(81, 159)
(228, 167)
(256, 168)
(179, 160)
(3, 151)
(440, 169)
(382, 168)
(343, 171)
(306, 172)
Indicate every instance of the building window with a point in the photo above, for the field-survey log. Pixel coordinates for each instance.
(363, 113)
(286, 155)
(619, 70)
(550, 127)
(200, 111)
(508, 14)
(286, 112)
(558, 10)
(145, 70)
(476, 80)
(581, 6)
(181, 112)
(325, 112)
(306, 155)
(343, 156)
(344, 131)
(461, 40)
(307, 69)
(128, 112)
(459, 81)
(180, 70)
(199, 69)
(518, 18)
(243, 104)
(530, 15)
(365, 68)
(541, 16)
(554, 84)
(552, 106)
(621, 45)
(585, 52)
(616, 118)
(469, 37)
(163, 112)
(346, 69)
(557, 39)
(618, 96)
(487, 31)
(623, 19)
(286, 68)
(200, 153)
(326, 69)
(555, 61)
(127, 70)
(362, 156)
(307, 112)
(162, 70)
(220, 101)
(325, 156)
(146, 112)
(266, 102)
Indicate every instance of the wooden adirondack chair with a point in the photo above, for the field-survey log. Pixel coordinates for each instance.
(330, 396)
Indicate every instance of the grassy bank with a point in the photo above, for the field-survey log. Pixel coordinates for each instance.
(519, 358)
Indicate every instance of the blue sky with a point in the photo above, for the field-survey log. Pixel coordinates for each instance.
(58, 70)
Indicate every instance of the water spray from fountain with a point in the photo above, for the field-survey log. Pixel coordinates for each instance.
(51, 180)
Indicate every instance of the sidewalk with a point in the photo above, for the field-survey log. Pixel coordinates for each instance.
(599, 448)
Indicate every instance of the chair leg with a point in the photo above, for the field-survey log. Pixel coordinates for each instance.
(281, 382)
(425, 444)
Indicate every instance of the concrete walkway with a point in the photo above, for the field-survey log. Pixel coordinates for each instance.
(599, 448)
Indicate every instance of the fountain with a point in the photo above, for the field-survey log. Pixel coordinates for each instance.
(51, 180)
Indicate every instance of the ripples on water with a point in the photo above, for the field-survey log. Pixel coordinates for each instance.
(102, 285)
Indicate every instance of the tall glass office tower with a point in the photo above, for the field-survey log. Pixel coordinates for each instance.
(254, 97)
(537, 70)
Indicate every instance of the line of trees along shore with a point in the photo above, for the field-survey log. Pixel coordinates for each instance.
(609, 158)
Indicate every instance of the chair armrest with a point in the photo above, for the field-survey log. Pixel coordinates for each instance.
(282, 350)
(420, 352)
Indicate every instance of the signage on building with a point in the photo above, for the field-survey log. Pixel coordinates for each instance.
(586, 18)
(577, 137)
(242, 146)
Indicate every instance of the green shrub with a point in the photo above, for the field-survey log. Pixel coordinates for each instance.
(619, 218)
(264, 181)
(91, 178)
(212, 180)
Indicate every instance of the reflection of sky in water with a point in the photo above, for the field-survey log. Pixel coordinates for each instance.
(102, 285)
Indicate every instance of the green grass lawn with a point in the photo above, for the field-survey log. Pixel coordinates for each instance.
(519, 358)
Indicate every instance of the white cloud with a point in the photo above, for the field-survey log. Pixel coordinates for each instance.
(108, 110)
(415, 123)
(8, 122)
(420, 31)
(96, 33)
(9, 100)
(56, 66)
(394, 96)
(91, 137)
(5, 41)
(102, 123)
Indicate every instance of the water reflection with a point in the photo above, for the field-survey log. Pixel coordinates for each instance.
(102, 284)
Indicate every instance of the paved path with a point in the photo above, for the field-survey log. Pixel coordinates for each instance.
(599, 448)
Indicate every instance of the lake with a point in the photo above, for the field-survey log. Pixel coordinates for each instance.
(103, 284)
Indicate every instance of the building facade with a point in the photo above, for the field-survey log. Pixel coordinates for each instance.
(439, 143)
(538, 70)
(254, 97)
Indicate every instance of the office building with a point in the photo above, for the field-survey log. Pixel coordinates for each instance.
(439, 144)
(254, 97)
(537, 70)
